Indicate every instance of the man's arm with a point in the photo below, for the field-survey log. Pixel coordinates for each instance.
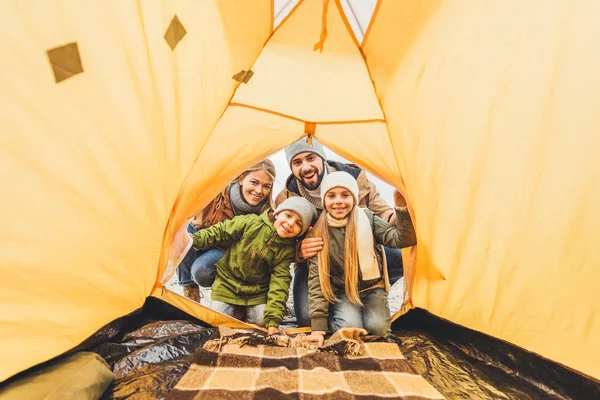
(399, 234)
(284, 194)
(373, 200)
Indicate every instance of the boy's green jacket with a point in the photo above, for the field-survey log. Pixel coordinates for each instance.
(255, 269)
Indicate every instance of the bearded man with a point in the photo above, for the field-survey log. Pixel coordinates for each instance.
(309, 164)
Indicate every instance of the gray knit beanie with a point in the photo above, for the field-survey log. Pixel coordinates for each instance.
(300, 206)
(301, 146)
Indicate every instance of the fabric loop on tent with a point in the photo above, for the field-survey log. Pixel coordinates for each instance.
(243, 76)
(310, 128)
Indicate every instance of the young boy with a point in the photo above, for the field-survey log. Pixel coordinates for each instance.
(254, 272)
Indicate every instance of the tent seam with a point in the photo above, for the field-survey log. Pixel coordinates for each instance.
(341, 122)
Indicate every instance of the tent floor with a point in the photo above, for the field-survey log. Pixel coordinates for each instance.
(149, 351)
(462, 363)
(150, 355)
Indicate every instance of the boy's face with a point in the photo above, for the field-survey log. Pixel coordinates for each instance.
(288, 224)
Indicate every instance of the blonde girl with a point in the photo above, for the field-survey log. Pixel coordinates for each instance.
(348, 282)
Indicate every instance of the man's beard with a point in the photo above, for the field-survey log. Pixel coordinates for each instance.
(317, 183)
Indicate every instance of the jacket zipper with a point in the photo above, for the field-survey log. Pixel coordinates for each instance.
(256, 260)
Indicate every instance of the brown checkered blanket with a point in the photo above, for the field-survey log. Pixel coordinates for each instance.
(246, 364)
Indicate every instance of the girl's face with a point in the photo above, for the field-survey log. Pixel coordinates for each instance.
(256, 186)
(288, 224)
(339, 202)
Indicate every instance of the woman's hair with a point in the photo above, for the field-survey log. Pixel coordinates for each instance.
(350, 258)
(267, 166)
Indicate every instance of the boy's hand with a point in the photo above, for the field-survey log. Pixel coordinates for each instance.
(272, 330)
(315, 337)
(309, 247)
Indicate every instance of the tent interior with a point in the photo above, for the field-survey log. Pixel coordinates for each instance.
(121, 119)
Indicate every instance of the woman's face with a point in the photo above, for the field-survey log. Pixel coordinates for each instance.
(256, 187)
(339, 202)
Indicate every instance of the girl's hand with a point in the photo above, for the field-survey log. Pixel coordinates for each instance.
(393, 219)
(272, 330)
(315, 337)
(399, 200)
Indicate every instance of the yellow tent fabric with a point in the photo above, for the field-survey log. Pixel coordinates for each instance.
(92, 165)
(493, 113)
(119, 119)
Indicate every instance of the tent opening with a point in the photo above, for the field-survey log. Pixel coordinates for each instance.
(175, 278)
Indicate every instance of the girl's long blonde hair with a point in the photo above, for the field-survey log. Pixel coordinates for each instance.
(350, 258)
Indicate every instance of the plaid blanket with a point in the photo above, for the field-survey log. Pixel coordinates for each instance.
(247, 364)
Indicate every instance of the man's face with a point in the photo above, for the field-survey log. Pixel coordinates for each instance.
(308, 168)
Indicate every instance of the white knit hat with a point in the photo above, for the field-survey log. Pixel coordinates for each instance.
(304, 208)
(339, 179)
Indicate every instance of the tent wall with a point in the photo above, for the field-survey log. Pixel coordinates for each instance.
(492, 109)
(91, 165)
(491, 112)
